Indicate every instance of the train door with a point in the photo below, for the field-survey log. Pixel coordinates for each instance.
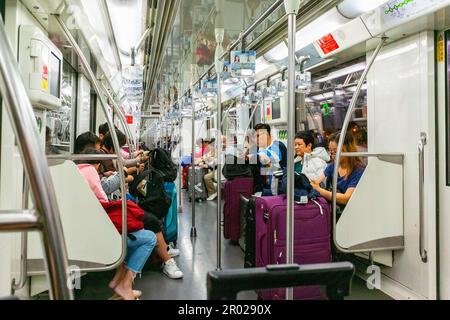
(401, 107)
(443, 168)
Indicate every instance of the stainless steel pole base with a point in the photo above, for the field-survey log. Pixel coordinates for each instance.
(193, 232)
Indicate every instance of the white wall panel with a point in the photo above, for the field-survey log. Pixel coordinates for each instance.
(400, 106)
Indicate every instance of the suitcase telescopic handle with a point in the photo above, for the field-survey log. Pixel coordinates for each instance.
(336, 277)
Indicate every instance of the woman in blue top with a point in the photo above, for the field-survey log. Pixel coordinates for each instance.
(350, 171)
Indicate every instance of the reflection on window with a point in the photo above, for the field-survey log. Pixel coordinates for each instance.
(328, 102)
(59, 122)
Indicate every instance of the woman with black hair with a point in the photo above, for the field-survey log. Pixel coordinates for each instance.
(350, 172)
(140, 242)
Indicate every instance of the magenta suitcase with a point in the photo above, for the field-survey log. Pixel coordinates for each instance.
(233, 191)
(312, 239)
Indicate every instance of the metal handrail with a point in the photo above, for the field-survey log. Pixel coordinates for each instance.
(122, 120)
(104, 6)
(46, 217)
(19, 220)
(191, 177)
(291, 11)
(343, 136)
(83, 157)
(24, 246)
(422, 143)
(116, 144)
(244, 34)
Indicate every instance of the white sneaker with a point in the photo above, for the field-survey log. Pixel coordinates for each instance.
(212, 197)
(173, 252)
(171, 270)
(198, 188)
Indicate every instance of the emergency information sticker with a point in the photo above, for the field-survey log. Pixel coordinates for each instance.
(328, 44)
(440, 49)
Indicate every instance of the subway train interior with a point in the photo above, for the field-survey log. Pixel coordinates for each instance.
(224, 149)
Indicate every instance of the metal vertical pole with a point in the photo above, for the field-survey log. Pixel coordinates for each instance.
(180, 178)
(219, 38)
(17, 285)
(192, 175)
(291, 7)
(219, 33)
(218, 170)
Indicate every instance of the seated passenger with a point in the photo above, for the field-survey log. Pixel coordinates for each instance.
(151, 223)
(87, 140)
(103, 130)
(272, 156)
(108, 166)
(111, 180)
(200, 151)
(333, 145)
(140, 243)
(210, 163)
(350, 172)
(313, 161)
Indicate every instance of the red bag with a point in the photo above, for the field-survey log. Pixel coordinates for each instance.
(135, 215)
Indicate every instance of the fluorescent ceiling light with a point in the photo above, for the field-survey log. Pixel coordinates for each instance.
(94, 30)
(343, 72)
(325, 24)
(354, 8)
(261, 65)
(280, 52)
(126, 17)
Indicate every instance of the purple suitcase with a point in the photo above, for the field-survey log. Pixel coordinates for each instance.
(233, 191)
(312, 239)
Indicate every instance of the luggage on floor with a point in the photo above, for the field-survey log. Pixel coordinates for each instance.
(200, 188)
(233, 191)
(170, 222)
(312, 239)
(185, 173)
(250, 233)
(243, 204)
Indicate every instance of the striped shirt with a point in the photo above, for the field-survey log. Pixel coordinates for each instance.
(275, 156)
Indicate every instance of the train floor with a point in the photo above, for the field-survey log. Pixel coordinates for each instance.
(198, 256)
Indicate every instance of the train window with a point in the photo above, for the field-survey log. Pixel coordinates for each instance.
(329, 99)
(59, 131)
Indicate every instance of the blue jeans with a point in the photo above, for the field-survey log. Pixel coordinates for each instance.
(139, 250)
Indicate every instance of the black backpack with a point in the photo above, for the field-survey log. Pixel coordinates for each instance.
(160, 159)
(155, 200)
(232, 169)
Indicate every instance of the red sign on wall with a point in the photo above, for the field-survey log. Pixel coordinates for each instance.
(328, 44)
(129, 119)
